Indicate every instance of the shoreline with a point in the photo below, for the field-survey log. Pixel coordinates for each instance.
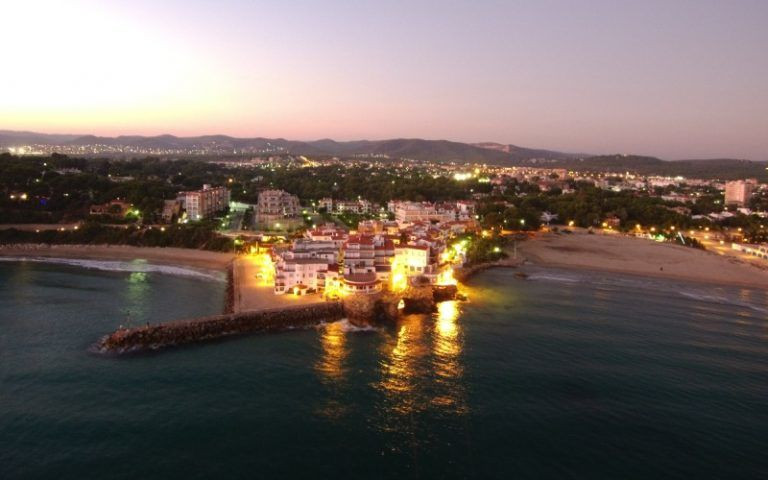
(639, 258)
(180, 257)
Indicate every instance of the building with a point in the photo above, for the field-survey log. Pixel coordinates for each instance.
(359, 206)
(738, 192)
(116, 208)
(361, 283)
(200, 204)
(300, 275)
(274, 204)
(409, 212)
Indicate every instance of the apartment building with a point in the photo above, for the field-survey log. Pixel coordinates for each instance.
(200, 204)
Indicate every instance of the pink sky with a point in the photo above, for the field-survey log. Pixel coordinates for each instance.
(676, 79)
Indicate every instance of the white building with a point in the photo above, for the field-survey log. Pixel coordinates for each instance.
(275, 204)
(204, 203)
(738, 192)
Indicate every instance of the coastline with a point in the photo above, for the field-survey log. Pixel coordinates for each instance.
(641, 258)
(184, 257)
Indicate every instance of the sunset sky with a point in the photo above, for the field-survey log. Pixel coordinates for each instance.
(676, 79)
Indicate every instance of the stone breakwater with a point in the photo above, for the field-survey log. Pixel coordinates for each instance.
(464, 273)
(153, 337)
(359, 309)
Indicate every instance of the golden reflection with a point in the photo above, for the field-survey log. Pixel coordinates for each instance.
(447, 349)
(330, 367)
(334, 344)
(399, 366)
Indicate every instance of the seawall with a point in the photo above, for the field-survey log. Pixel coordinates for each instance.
(153, 337)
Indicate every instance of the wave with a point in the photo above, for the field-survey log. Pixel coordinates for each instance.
(657, 287)
(347, 327)
(721, 300)
(548, 277)
(132, 266)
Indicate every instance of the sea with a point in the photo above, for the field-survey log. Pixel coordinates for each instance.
(561, 375)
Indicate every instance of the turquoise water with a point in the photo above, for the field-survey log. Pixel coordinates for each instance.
(563, 375)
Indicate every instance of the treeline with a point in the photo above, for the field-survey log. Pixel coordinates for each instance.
(375, 183)
(723, 169)
(181, 236)
(587, 207)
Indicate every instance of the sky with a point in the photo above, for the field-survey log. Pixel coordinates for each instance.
(671, 78)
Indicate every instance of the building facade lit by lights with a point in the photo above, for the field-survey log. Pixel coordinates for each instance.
(275, 204)
(200, 204)
(738, 192)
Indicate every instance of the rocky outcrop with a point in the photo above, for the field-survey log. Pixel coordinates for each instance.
(443, 293)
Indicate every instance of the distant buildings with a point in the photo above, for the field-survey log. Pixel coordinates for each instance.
(738, 192)
(359, 206)
(200, 204)
(116, 208)
(274, 204)
(410, 212)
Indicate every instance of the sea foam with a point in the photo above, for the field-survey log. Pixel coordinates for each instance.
(131, 266)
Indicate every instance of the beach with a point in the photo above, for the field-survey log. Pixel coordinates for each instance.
(164, 256)
(250, 291)
(636, 256)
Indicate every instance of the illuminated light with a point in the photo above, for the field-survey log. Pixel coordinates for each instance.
(446, 277)
(399, 277)
(672, 227)
(570, 223)
(605, 224)
(77, 227)
(23, 196)
(447, 314)
(496, 249)
(162, 229)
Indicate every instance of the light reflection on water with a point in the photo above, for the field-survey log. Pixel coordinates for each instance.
(332, 370)
(137, 293)
(447, 347)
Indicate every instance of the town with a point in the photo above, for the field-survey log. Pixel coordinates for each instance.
(325, 227)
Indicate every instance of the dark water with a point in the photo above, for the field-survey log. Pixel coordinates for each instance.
(564, 375)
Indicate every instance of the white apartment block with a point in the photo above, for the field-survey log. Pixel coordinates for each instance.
(738, 192)
(277, 204)
(204, 203)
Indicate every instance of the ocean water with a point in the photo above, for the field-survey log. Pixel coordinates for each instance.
(562, 375)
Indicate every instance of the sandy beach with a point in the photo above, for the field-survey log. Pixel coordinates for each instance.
(636, 256)
(250, 293)
(164, 256)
